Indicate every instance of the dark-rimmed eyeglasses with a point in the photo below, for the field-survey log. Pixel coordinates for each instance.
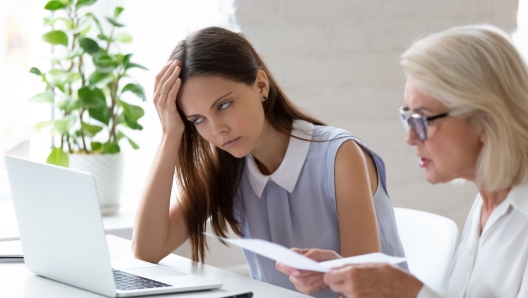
(417, 122)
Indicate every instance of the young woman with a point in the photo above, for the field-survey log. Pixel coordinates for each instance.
(246, 157)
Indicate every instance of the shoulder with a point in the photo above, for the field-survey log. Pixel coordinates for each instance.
(329, 133)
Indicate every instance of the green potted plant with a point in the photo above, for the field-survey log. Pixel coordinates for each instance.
(86, 85)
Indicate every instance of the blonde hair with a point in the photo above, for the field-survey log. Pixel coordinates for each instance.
(479, 75)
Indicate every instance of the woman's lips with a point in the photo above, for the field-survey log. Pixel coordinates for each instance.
(423, 162)
(232, 143)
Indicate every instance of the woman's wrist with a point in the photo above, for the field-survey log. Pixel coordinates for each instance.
(408, 284)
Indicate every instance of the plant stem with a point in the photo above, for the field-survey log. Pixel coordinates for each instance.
(69, 144)
(113, 95)
(82, 133)
(110, 38)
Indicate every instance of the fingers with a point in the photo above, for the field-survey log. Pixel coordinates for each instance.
(163, 77)
(174, 90)
(310, 283)
(301, 251)
(339, 280)
(172, 85)
(161, 73)
(287, 269)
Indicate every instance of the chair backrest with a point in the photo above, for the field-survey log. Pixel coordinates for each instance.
(429, 242)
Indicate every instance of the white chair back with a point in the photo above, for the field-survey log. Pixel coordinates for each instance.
(429, 242)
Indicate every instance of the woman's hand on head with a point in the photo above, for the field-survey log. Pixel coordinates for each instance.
(166, 89)
(372, 280)
(308, 282)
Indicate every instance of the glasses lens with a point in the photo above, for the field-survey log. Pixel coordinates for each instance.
(404, 118)
(418, 126)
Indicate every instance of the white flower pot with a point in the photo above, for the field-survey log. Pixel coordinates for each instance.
(107, 170)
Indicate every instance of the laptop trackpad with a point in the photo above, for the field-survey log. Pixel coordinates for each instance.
(154, 272)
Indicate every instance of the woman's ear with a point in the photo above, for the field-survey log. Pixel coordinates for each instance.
(262, 85)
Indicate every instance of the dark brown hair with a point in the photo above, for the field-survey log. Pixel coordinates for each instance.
(208, 177)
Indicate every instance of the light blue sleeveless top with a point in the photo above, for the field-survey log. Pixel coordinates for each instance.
(296, 205)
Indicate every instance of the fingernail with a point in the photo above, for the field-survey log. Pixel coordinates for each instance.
(170, 61)
(296, 273)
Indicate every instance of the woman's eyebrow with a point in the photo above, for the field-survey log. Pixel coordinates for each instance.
(220, 98)
(214, 103)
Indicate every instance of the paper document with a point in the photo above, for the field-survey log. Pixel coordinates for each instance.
(288, 257)
(11, 249)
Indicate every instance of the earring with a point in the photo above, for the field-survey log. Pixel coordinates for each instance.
(265, 98)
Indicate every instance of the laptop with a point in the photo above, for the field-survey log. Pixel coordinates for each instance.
(63, 237)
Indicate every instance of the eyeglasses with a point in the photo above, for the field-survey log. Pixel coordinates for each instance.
(417, 122)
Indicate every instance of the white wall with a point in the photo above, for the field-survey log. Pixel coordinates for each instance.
(340, 60)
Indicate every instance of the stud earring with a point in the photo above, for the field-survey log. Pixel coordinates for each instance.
(265, 98)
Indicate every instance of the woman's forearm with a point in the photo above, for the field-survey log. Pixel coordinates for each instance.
(151, 229)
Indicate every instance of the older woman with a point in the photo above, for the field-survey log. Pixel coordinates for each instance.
(466, 113)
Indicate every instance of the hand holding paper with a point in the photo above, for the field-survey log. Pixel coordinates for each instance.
(286, 256)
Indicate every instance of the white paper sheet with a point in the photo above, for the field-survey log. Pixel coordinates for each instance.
(290, 258)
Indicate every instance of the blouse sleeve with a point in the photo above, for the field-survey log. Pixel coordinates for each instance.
(427, 292)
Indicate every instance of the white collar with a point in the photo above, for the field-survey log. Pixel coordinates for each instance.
(517, 198)
(519, 195)
(289, 170)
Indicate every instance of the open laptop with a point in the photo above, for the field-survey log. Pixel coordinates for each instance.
(63, 238)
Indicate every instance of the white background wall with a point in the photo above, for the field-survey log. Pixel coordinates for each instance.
(339, 60)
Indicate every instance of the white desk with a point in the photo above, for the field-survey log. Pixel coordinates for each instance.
(16, 281)
(120, 224)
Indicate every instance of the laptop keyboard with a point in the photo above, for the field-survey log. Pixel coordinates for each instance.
(126, 281)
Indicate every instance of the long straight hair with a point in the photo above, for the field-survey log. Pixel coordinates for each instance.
(209, 177)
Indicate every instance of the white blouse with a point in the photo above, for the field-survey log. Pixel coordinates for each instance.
(494, 263)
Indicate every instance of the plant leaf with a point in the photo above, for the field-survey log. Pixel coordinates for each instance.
(72, 77)
(58, 157)
(121, 135)
(114, 22)
(101, 114)
(117, 11)
(132, 112)
(89, 45)
(104, 63)
(44, 97)
(56, 77)
(44, 124)
(95, 20)
(70, 104)
(35, 71)
(96, 146)
(132, 124)
(90, 130)
(136, 89)
(74, 53)
(92, 98)
(62, 126)
(53, 5)
(123, 37)
(50, 20)
(111, 148)
(81, 3)
(97, 78)
(132, 65)
(56, 37)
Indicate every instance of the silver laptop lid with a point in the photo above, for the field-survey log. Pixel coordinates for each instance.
(60, 225)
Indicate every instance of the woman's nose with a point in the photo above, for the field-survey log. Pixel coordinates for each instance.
(218, 128)
(411, 138)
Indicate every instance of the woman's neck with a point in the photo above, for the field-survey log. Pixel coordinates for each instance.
(270, 149)
(490, 201)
